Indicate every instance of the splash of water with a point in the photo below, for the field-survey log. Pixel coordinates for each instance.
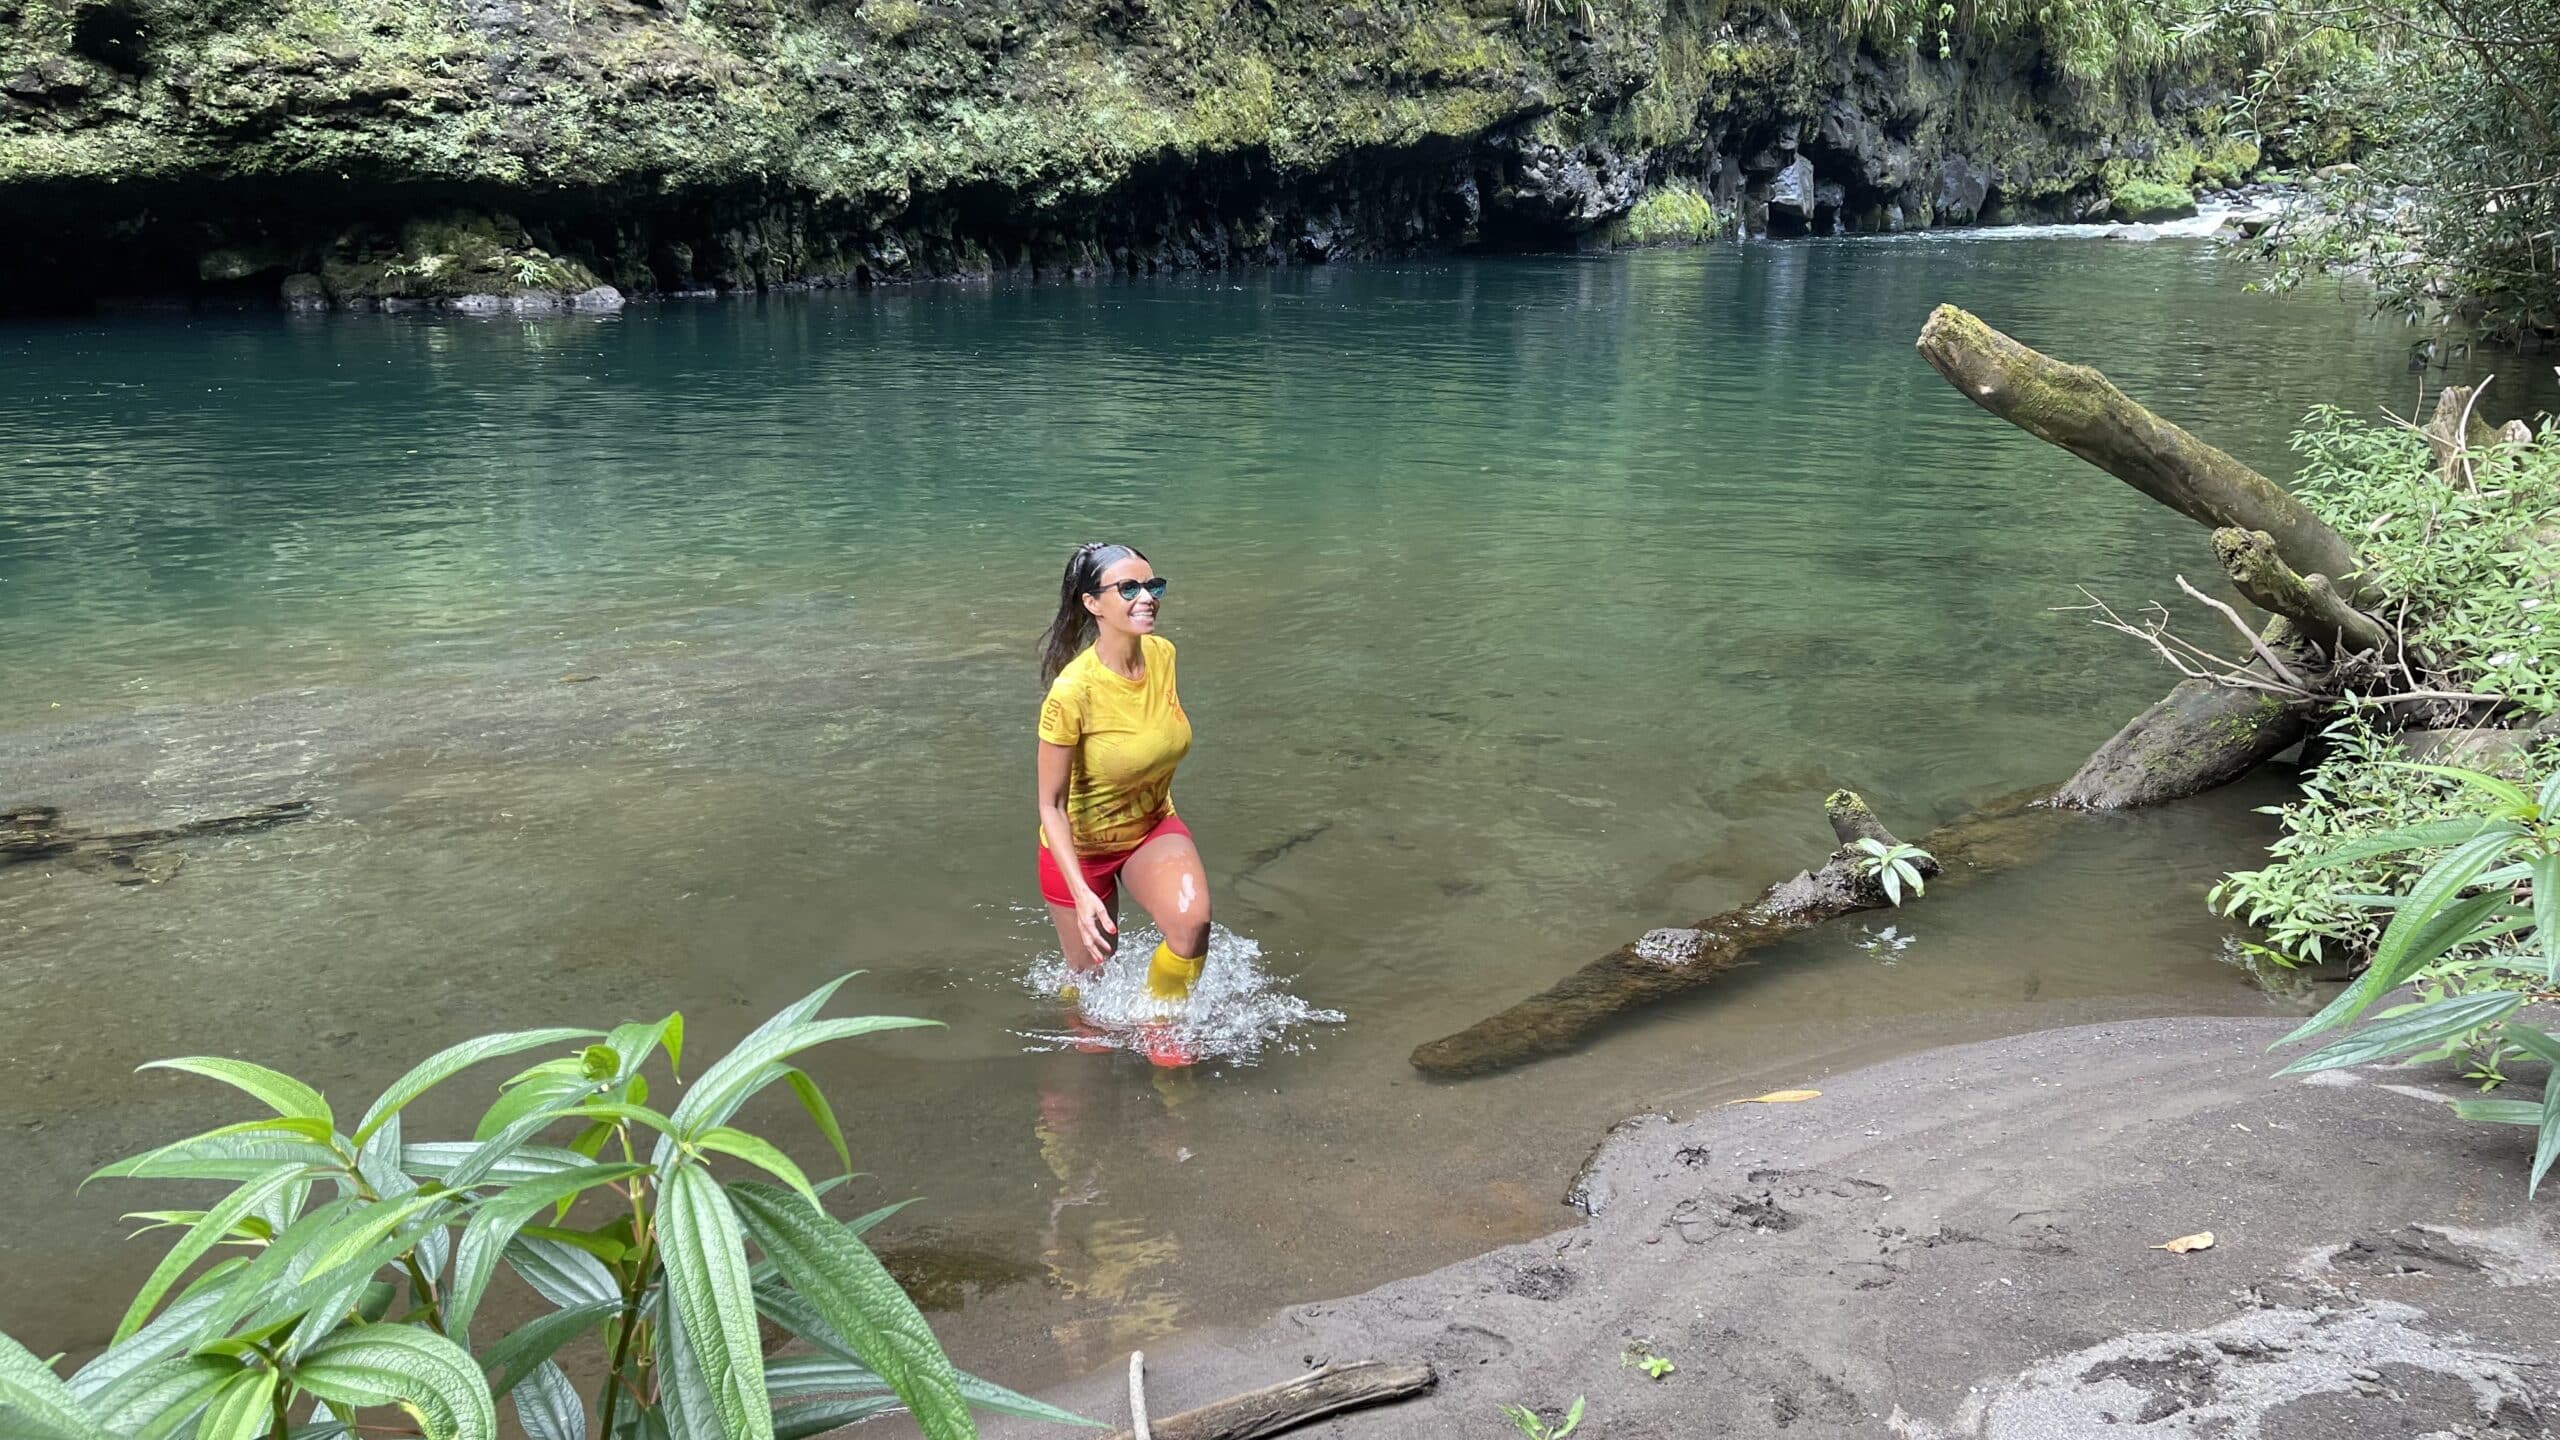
(1237, 1011)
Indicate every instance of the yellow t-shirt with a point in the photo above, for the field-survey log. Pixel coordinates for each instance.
(1128, 737)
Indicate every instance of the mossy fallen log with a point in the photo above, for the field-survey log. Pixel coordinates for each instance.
(1668, 962)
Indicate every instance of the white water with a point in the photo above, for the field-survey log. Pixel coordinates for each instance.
(1236, 1012)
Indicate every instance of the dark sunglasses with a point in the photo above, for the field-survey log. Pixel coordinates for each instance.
(1128, 589)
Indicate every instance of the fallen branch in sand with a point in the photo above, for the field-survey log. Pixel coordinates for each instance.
(1291, 1403)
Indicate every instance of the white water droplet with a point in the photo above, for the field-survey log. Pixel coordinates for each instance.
(1237, 1010)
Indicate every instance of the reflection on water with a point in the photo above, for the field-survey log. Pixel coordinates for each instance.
(683, 660)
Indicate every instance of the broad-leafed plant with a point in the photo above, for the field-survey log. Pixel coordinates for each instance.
(365, 1260)
(2477, 934)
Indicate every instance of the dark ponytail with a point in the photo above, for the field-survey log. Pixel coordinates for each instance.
(1074, 627)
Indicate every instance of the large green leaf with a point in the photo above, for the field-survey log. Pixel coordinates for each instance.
(2433, 835)
(756, 1063)
(191, 1247)
(817, 1417)
(404, 1365)
(158, 1399)
(2547, 1144)
(705, 1257)
(526, 1347)
(795, 1314)
(684, 1395)
(759, 1152)
(243, 1151)
(452, 1060)
(2425, 1025)
(548, 1407)
(561, 1274)
(378, 1222)
(496, 1222)
(165, 1336)
(242, 1408)
(839, 1275)
(804, 1377)
(276, 1272)
(494, 1149)
(2546, 911)
(2507, 792)
(2432, 924)
(2500, 1112)
(277, 1091)
(814, 1100)
(633, 1043)
(441, 1159)
(32, 1396)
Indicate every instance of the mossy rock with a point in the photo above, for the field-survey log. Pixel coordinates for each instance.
(2143, 202)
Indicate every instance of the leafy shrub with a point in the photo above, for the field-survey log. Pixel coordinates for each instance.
(2452, 117)
(2467, 900)
(369, 1257)
(2151, 200)
(2474, 570)
(1670, 213)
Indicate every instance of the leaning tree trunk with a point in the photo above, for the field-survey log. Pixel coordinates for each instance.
(2201, 734)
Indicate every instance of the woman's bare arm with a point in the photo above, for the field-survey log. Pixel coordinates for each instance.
(1093, 918)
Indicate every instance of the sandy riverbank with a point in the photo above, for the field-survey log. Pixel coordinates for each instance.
(1959, 1244)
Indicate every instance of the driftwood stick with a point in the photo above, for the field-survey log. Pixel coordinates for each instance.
(1292, 1403)
(2082, 411)
(1138, 1396)
(1667, 962)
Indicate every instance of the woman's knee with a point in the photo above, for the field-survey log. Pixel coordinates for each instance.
(1186, 925)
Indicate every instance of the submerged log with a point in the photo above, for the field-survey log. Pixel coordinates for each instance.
(2197, 737)
(2082, 411)
(1292, 1403)
(35, 832)
(1668, 962)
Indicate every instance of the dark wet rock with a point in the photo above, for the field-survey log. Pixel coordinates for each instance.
(1791, 192)
(303, 293)
(1962, 187)
(598, 299)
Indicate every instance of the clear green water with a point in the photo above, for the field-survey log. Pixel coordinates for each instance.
(1524, 605)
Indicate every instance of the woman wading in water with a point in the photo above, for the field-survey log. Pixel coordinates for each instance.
(1111, 732)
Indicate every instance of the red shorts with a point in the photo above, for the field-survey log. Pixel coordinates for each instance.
(1101, 872)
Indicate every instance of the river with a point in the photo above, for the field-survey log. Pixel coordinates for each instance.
(683, 659)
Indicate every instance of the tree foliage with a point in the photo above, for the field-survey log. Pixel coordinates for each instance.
(2435, 127)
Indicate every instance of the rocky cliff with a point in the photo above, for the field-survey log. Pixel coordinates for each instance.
(519, 152)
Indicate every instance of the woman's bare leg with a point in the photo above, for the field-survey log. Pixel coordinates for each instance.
(1071, 940)
(1166, 878)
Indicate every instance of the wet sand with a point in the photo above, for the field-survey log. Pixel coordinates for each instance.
(1962, 1244)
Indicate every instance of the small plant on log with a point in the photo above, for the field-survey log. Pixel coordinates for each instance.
(2479, 931)
(367, 1259)
(1895, 866)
